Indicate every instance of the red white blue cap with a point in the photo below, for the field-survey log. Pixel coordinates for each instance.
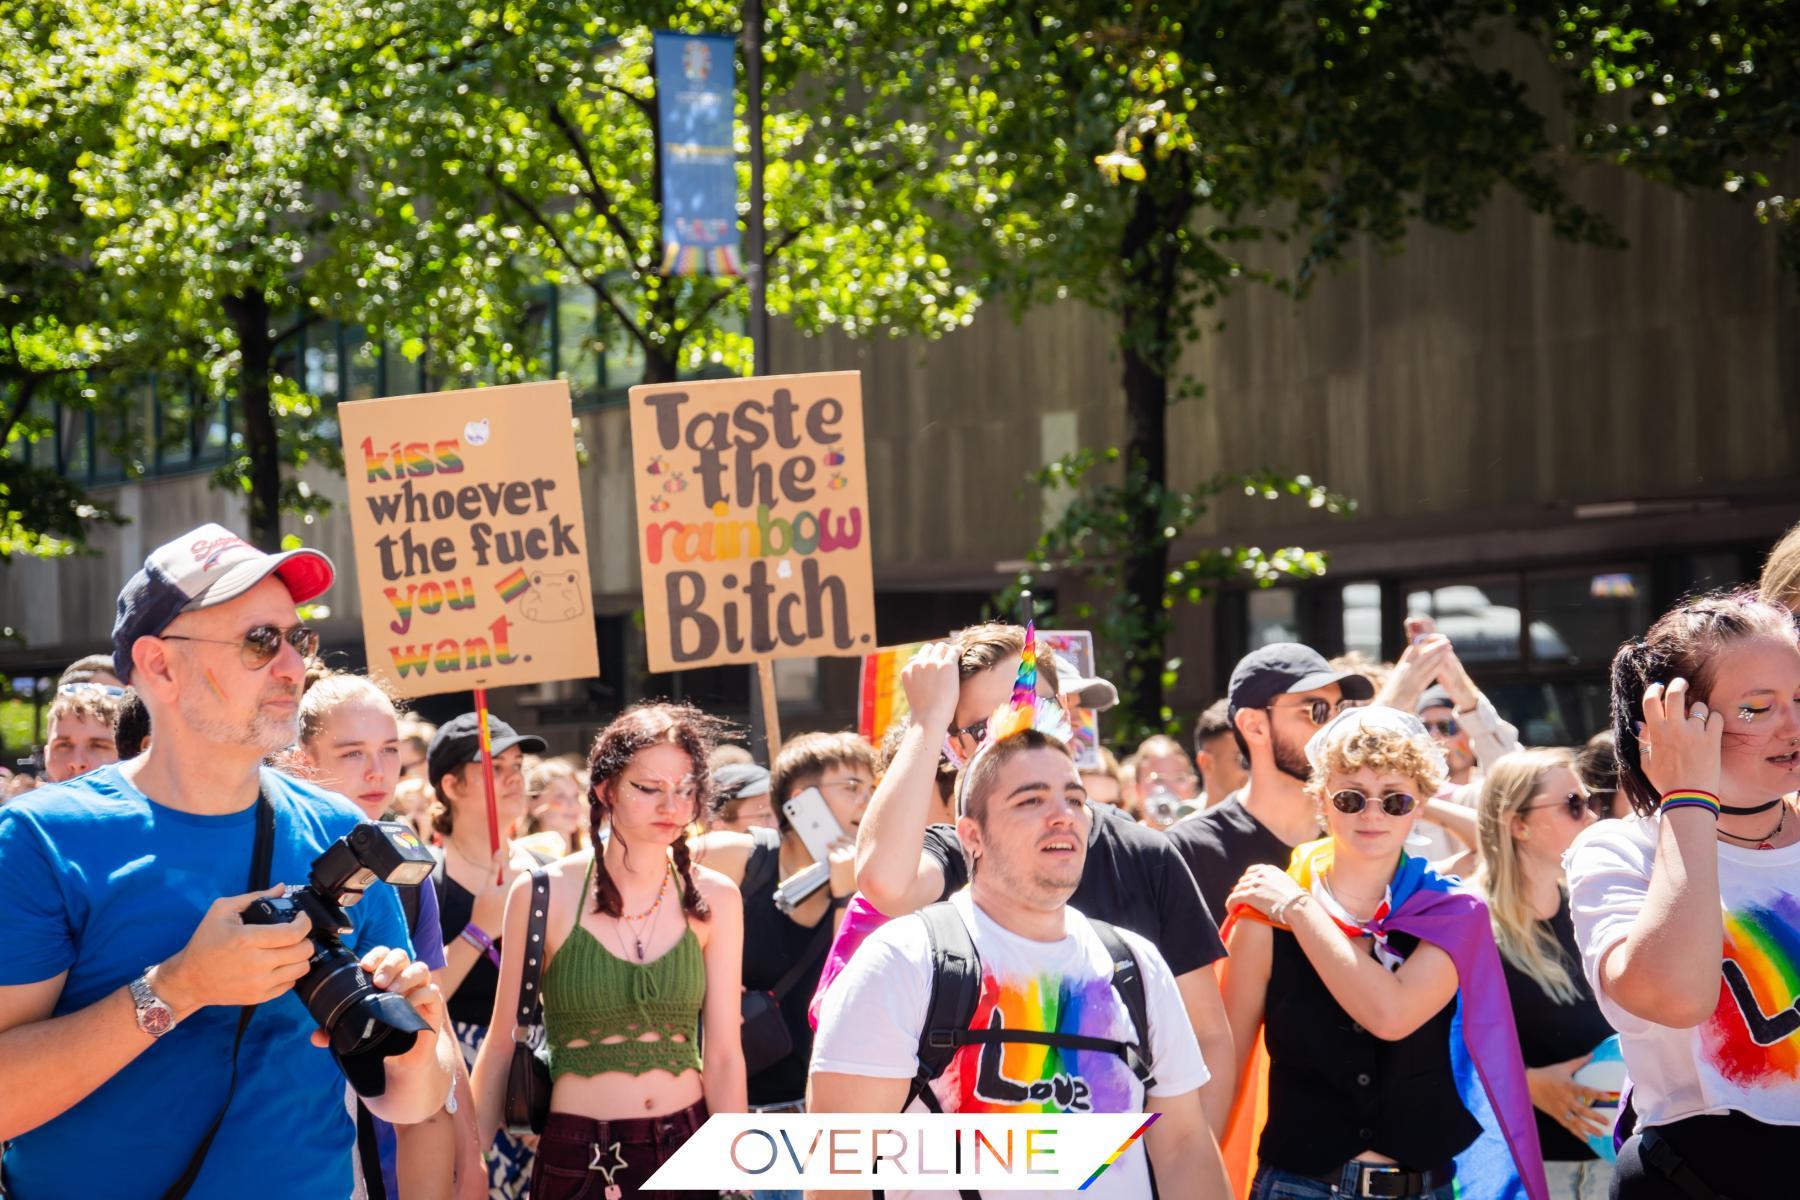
(203, 567)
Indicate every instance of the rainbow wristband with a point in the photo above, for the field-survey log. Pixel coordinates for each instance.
(1688, 798)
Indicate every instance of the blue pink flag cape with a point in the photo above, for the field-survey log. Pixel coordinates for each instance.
(1505, 1162)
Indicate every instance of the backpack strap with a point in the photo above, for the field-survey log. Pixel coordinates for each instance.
(955, 993)
(1128, 982)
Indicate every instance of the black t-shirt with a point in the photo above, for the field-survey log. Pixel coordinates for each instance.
(1133, 879)
(1220, 844)
(773, 943)
(1552, 1033)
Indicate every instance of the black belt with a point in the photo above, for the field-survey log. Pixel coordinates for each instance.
(1384, 1181)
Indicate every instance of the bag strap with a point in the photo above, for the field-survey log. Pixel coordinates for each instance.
(815, 953)
(1128, 982)
(262, 858)
(955, 993)
(531, 998)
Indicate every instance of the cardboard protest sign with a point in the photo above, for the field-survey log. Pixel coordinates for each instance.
(753, 519)
(471, 552)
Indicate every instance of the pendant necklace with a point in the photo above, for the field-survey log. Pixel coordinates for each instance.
(646, 920)
(1767, 840)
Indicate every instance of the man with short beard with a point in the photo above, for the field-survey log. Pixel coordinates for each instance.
(1044, 968)
(138, 1010)
(1279, 695)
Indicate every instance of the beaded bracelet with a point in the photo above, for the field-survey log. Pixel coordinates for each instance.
(1690, 798)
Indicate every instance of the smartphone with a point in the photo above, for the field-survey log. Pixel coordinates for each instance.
(812, 820)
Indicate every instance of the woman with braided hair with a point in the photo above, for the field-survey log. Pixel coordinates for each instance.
(642, 953)
(1688, 918)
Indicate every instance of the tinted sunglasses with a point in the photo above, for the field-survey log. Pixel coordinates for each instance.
(1447, 726)
(1317, 711)
(260, 646)
(975, 729)
(76, 689)
(1394, 804)
(1575, 803)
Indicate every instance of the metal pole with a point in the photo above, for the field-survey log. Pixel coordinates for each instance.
(753, 251)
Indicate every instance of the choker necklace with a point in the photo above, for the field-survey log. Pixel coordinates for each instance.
(1749, 810)
(1766, 841)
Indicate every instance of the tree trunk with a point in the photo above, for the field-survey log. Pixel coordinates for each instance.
(1150, 254)
(249, 314)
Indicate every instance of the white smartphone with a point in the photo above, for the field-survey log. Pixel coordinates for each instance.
(812, 820)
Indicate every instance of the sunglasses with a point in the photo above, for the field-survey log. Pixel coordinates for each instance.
(1447, 726)
(260, 646)
(1317, 711)
(975, 729)
(76, 689)
(1574, 803)
(1394, 804)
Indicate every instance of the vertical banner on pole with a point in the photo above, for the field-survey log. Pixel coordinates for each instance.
(696, 96)
(753, 519)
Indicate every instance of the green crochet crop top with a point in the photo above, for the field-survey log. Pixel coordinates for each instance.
(591, 994)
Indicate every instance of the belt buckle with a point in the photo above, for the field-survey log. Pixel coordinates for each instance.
(1373, 1171)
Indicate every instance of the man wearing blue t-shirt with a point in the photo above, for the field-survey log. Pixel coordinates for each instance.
(124, 960)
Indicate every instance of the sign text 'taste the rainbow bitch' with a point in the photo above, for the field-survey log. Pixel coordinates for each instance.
(753, 519)
(471, 555)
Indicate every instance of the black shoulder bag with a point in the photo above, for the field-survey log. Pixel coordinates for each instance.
(528, 1074)
(262, 856)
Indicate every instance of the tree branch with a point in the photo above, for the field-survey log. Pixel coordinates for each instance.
(598, 287)
(598, 195)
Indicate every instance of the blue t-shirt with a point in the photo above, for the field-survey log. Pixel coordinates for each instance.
(98, 880)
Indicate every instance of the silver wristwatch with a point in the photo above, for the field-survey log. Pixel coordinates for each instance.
(153, 1016)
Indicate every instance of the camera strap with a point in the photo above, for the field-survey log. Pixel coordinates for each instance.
(262, 857)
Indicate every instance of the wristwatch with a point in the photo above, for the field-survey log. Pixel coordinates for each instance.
(153, 1016)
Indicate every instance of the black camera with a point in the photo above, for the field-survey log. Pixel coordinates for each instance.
(365, 1025)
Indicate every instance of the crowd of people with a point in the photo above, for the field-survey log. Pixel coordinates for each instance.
(1351, 938)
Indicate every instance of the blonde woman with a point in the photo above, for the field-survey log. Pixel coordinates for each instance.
(556, 803)
(1532, 807)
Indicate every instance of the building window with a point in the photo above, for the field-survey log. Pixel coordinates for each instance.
(1272, 617)
(1362, 619)
(1581, 616)
(1480, 617)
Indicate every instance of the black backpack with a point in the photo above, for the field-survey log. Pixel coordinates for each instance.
(956, 992)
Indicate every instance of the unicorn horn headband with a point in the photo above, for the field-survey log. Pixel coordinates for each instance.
(1023, 710)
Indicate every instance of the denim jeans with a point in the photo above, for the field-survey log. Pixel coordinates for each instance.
(1272, 1183)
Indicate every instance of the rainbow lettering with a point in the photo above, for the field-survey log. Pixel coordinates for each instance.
(765, 537)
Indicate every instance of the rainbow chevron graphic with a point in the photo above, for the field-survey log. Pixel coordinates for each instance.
(1117, 1154)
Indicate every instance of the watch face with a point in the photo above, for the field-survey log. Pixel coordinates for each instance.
(156, 1020)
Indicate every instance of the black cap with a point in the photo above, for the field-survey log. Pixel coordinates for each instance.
(1283, 667)
(458, 741)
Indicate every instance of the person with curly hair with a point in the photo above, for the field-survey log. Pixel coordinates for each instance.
(1352, 965)
(640, 979)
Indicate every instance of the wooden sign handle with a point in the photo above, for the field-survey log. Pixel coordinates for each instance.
(771, 714)
(487, 771)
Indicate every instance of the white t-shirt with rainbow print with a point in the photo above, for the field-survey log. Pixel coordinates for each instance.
(873, 1014)
(1746, 1056)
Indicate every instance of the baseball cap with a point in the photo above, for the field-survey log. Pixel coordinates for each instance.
(1284, 667)
(203, 567)
(1434, 697)
(458, 741)
(1091, 692)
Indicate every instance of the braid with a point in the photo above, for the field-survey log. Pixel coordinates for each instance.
(606, 893)
(691, 900)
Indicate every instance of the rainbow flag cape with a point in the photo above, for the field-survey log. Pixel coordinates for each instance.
(1505, 1162)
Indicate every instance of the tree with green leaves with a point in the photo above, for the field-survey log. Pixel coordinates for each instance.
(558, 168)
(1152, 159)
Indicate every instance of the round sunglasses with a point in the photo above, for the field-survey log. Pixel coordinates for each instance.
(1575, 804)
(1394, 804)
(258, 648)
